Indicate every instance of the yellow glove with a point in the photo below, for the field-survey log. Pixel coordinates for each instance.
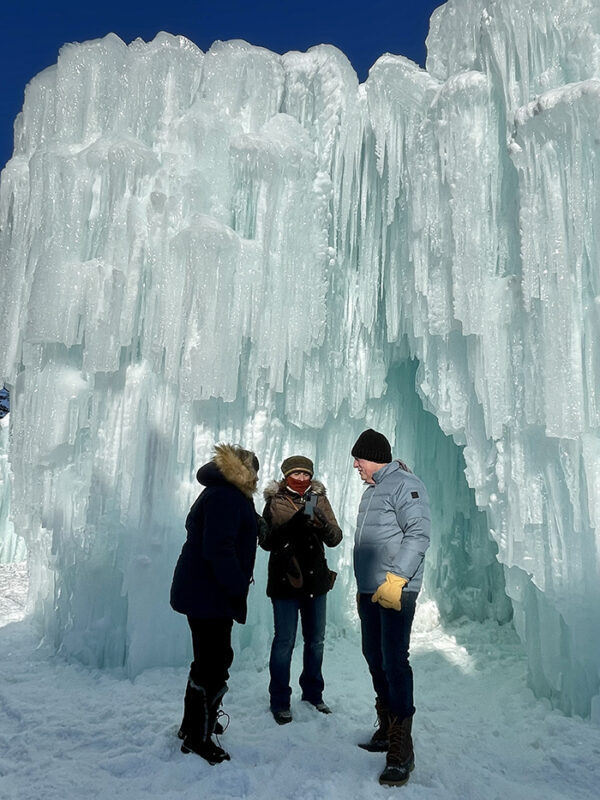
(389, 594)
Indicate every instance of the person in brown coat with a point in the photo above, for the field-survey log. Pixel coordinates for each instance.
(300, 521)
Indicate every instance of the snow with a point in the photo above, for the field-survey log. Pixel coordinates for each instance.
(69, 732)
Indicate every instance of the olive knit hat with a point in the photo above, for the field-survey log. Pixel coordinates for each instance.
(297, 464)
(372, 446)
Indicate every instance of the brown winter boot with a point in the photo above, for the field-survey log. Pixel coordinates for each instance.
(379, 741)
(400, 759)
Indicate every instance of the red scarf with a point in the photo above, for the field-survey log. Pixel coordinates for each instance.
(298, 485)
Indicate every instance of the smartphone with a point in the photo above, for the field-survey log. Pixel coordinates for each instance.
(309, 506)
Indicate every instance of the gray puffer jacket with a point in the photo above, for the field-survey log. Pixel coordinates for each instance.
(392, 529)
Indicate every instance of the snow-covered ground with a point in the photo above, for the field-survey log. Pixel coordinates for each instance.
(67, 732)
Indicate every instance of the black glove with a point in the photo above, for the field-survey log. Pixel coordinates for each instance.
(263, 529)
(320, 516)
(320, 523)
(294, 529)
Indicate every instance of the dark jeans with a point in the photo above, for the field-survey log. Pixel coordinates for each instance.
(312, 612)
(213, 655)
(385, 645)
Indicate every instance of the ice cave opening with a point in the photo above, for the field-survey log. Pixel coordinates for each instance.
(463, 574)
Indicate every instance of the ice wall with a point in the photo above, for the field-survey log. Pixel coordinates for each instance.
(541, 70)
(236, 245)
(12, 546)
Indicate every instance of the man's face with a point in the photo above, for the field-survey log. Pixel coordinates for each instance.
(366, 469)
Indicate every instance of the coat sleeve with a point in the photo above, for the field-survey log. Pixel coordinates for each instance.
(221, 530)
(267, 540)
(263, 529)
(279, 529)
(328, 529)
(413, 516)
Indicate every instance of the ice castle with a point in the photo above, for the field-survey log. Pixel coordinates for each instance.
(241, 246)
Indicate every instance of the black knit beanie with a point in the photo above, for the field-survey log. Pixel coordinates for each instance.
(297, 464)
(372, 446)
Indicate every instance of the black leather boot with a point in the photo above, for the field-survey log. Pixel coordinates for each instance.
(198, 726)
(188, 703)
(400, 759)
(214, 711)
(186, 722)
(378, 743)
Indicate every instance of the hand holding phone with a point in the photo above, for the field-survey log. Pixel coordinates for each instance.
(309, 506)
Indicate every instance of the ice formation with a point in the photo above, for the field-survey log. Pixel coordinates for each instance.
(12, 547)
(242, 246)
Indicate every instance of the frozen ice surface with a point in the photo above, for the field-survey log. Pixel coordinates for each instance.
(237, 245)
(12, 547)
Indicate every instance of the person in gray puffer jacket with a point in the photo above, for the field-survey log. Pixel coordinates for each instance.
(392, 535)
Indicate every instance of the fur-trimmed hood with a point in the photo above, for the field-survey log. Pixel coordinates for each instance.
(279, 487)
(232, 464)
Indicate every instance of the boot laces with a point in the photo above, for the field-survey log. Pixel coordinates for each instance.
(400, 741)
(398, 735)
(223, 718)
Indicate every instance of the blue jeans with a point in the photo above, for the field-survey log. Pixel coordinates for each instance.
(285, 614)
(385, 645)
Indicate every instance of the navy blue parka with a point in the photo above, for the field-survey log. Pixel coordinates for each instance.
(214, 570)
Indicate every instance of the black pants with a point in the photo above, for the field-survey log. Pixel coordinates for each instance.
(213, 655)
(385, 646)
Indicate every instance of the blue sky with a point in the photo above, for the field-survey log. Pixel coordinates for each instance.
(33, 32)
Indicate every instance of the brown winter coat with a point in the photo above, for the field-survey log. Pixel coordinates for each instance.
(297, 564)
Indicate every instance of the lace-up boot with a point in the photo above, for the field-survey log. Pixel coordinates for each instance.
(378, 743)
(400, 759)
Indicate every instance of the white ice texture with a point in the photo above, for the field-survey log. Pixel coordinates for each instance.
(242, 246)
(12, 546)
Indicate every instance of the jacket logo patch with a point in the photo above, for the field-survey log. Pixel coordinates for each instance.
(414, 495)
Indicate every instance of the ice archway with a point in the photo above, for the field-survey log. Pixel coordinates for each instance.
(245, 246)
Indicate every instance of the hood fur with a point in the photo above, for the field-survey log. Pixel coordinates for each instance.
(235, 464)
(277, 487)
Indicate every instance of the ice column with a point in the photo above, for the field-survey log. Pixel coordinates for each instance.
(12, 546)
(538, 470)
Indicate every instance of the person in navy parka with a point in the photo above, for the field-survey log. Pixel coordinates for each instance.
(210, 586)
